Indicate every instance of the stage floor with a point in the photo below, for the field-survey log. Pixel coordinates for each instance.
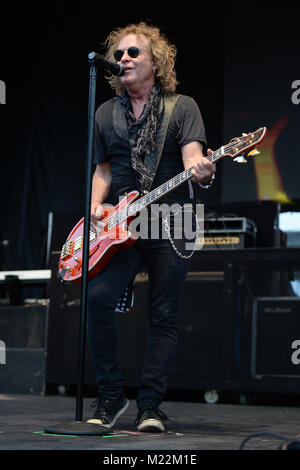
(191, 426)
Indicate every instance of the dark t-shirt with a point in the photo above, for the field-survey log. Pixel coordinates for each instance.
(185, 126)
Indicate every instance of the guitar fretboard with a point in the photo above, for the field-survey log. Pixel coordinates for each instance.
(149, 198)
(158, 192)
(232, 148)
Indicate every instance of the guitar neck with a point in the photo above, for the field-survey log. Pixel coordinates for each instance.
(234, 148)
(160, 191)
(170, 185)
(149, 198)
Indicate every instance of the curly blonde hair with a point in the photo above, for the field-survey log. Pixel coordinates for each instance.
(163, 54)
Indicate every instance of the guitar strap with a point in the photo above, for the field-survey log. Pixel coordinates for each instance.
(153, 159)
(152, 162)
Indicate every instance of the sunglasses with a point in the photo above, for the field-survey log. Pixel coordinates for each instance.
(133, 52)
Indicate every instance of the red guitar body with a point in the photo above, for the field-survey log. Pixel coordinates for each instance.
(102, 246)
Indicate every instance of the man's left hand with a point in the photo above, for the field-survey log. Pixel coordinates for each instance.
(203, 170)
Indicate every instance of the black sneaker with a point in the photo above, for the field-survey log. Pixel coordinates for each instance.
(150, 420)
(108, 411)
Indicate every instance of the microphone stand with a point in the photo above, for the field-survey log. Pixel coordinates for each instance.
(77, 427)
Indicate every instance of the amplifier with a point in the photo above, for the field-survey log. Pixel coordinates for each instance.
(227, 233)
(275, 350)
(23, 331)
(220, 242)
(229, 225)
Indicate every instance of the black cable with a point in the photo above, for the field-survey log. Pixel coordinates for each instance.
(210, 232)
(290, 440)
(229, 235)
(243, 279)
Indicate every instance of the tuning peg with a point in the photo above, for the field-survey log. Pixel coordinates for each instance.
(253, 153)
(240, 160)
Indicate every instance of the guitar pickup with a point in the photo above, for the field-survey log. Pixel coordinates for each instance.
(78, 244)
(67, 250)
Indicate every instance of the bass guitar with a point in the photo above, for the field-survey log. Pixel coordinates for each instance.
(115, 234)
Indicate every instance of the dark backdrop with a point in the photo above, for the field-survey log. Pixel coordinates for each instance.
(44, 122)
(44, 47)
(262, 63)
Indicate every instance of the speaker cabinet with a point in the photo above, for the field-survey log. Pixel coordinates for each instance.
(23, 334)
(201, 327)
(275, 335)
(200, 340)
(201, 333)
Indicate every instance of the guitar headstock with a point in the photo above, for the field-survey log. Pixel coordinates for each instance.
(238, 146)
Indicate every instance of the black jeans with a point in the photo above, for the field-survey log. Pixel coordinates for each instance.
(167, 272)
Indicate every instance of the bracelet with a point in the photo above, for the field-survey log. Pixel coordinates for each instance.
(209, 184)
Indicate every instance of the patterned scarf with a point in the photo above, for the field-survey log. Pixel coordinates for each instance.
(142, 131)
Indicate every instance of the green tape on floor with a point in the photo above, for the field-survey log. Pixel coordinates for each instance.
(56, 435)
(70, 435)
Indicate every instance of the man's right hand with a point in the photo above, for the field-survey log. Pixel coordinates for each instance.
(97, 213)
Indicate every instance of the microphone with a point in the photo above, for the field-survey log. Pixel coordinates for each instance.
(114, 69)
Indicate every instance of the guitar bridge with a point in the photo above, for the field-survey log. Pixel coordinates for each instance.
(67, 250)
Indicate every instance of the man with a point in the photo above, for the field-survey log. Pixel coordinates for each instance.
(121, 151)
